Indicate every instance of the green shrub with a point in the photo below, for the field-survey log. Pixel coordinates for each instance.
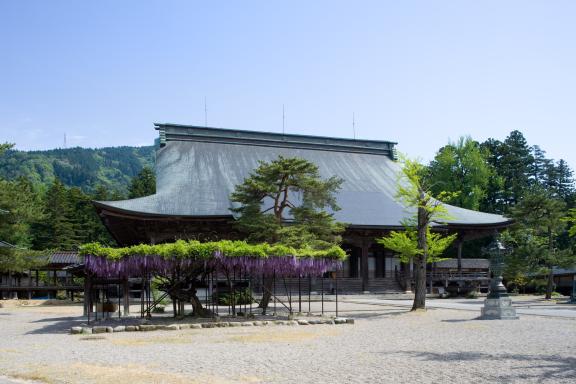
(158, 309)
(240, 297)
(472, 294)
(61, 295)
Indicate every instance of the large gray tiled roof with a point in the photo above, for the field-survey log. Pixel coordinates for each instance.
(197, 169)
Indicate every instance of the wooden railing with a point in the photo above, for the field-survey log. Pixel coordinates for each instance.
(409, 275)
(26, 283)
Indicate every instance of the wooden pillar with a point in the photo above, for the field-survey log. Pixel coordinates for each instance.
(37, 278)
(364, 264)
(87, 295)
(459, 243)
(409, 268)
(126, 295)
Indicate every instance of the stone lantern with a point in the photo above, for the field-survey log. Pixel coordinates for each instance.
(497, 305)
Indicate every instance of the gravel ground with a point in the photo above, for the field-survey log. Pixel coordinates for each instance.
(386, 345)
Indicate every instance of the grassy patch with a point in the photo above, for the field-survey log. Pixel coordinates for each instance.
(100, 374)
(135, 342)
(287, 336)
(89, 338)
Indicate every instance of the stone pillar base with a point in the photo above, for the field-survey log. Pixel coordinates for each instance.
(499, 309)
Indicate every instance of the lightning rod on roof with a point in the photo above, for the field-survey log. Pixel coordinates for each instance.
(354, 125)
(205, 112)
(283, 120)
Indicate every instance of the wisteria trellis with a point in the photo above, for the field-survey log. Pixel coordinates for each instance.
(226, 255)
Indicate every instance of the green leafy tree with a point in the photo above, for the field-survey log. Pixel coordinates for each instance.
(540, 218)
(286, 201)
(20, 260)
(143, 184)
(417, 242)
(461, 168)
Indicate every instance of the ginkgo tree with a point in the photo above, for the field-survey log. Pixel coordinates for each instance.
(417, 242)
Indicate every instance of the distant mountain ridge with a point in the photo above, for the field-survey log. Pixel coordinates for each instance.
(86, 168)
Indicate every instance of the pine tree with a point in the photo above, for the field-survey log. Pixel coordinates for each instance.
(285, 201)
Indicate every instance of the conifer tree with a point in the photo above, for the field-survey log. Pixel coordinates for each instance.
(540, 215)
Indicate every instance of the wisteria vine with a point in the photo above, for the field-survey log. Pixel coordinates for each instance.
(262, 259)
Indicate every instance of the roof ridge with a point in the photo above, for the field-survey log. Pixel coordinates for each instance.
(177, 132)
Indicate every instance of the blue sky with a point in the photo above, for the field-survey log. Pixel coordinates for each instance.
(416, 72)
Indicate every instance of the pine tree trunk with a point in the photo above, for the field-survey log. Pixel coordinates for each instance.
(550, 286)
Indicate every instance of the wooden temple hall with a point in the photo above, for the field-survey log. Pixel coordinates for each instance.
(197, 168)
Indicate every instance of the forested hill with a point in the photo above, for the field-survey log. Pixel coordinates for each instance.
(86, 168)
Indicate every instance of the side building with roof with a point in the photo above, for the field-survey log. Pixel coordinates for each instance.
(197, 168)
(54, 274)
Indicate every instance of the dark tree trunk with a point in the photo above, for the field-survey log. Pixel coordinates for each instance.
(420, 260)
(266, 293)
(550, 285)
(197, 308)
(420, 284)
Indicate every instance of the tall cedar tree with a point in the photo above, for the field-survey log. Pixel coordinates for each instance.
(540, 215)
(286, 201)
(417, 242)
(513, 162)
(143, 184)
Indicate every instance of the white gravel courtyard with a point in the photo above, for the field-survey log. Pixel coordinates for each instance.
(387, 344)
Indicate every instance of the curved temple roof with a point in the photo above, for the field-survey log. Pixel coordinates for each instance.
(197, 168)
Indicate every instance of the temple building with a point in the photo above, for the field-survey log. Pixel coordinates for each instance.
(197, 168)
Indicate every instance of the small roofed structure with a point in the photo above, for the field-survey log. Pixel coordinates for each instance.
(460, 276)
(197, 168)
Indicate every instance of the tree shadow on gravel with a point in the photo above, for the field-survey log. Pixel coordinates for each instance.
(373, 314)
(461, 320)
(513, 366)
(58, 325)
